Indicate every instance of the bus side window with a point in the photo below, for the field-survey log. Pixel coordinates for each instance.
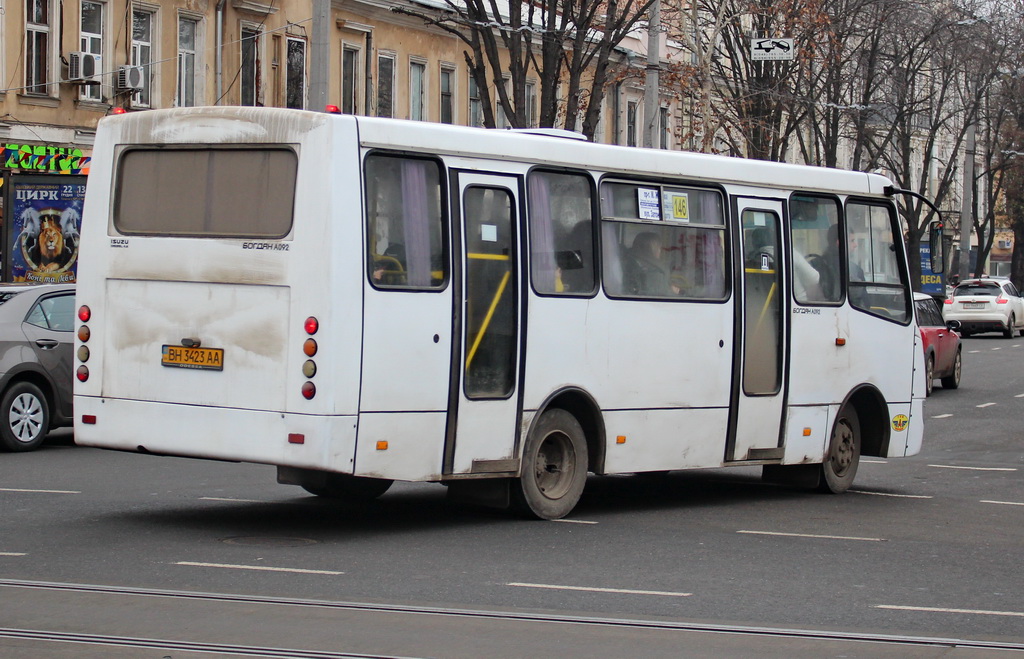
(875, 249)
(405, 231)
(817, 267)
(561, 233)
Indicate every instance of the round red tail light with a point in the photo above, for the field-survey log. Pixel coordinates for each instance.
(311, 325)
(308, 390)
(82, 373)
(84, 313)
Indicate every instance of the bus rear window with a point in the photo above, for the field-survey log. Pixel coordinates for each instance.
(223, 193)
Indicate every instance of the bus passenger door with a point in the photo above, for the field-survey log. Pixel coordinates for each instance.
(759, 380)
(484, 404)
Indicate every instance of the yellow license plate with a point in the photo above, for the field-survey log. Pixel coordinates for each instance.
(204, 358)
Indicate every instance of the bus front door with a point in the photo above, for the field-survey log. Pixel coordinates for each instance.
(760, 375)
(484, 396)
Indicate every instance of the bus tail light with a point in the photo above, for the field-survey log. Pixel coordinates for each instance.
(82, 373)
(308, 390)
(309, 348)
(84, 313)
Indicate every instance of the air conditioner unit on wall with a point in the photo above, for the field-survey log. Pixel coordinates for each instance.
(131, 77)
(84, 68)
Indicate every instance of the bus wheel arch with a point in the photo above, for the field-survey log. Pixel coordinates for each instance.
(587, 412)
(873, 417)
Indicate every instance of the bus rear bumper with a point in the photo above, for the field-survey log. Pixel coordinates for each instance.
(217, 433)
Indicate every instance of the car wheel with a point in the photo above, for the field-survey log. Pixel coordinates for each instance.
(1008, 332)
(952, 381)
(929, 376)
(26, 417)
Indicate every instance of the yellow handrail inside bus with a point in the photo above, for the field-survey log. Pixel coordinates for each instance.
(487, 319)
(487, 257)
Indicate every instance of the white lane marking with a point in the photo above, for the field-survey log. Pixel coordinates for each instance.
(811, 535)
(942, 416)
(13, 553)
(265, 568)
(975, 468)
(936, 609)
(573, 521)
(227, 499)
(887, 494)
(1019, 396)
(986, 405)
(997, 348)
(591, 589)
(14, 489)
(876, 462)
(1004, 503)
(971, 352)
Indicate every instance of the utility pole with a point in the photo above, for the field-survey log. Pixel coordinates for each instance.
(967, 206)
(653, 66)
(319, 56)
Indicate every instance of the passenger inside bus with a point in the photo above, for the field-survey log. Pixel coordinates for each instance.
(645, 272)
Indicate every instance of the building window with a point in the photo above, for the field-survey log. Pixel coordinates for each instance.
(631, 108)
(349, 79)
(476, 106)
(296, 74)
(37, 46)
(531, 104)
(502, 119)
(663, 118)
(417, 75)
(250, 67)
(92, 42)
(142, 55)
(385, 85)
(187, 30)
(447, 95)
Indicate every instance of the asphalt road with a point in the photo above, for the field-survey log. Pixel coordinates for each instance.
(106, 554)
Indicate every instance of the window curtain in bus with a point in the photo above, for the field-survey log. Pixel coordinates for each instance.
(416, 221)
(542, 240)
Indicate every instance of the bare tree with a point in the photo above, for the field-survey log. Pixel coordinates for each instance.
(567, 44)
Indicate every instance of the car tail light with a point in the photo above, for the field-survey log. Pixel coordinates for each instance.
(1002, 300)
(948, 300)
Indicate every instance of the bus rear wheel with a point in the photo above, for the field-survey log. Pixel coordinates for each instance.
(554, 468)
(840, 465)
(344, 486)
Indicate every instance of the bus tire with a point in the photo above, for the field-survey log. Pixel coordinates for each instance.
(554, 468)
(840, 465)
(345, 486)
(26, 417)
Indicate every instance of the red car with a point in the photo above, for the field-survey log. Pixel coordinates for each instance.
(941, 343)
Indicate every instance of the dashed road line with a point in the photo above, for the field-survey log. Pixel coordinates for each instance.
(875, 462)
(229, 499)
(986, 405)
(974, 468)
(592, 589)
(15, 489)
(574, 521)
(812, 535)
(13, 553)
(1004, 503)
(936, 609)
(942, 416)
(889, 494)
(262, 568)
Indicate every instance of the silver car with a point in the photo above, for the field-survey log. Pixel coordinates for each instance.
(37, 324)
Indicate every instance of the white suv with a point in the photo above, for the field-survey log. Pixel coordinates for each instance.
(986, 304)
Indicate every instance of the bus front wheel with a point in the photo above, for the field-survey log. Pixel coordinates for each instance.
(840, 465)
(554, 467)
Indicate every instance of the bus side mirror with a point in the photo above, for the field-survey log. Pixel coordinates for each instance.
(938, 256)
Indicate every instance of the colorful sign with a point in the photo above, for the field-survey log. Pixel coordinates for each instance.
(900, 422)
(42, 224)
(49, 159)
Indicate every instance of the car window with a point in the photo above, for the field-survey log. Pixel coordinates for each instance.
(928, 314)
(55, 313)
(976, 289)
(1011, 289)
